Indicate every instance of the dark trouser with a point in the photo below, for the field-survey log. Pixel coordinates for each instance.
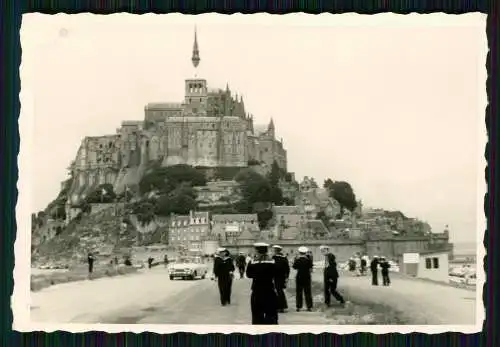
(242, 271)
(363, 269)
(375, 278)
(303, 286)
(385, 278)
(225, 284)
(330, 287)
(281, 297)
(91, 267)
(264, 308)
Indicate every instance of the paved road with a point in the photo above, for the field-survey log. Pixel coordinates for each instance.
(416, 301)
(151, 298)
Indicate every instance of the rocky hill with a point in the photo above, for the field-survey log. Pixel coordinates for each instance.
(103, 233)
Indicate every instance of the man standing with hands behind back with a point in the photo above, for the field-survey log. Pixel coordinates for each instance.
(303, 265)
(282, 274)
(263, 301)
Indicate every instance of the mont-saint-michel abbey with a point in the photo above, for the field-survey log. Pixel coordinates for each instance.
(209, 128)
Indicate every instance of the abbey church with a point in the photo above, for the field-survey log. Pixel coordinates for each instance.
(209, 128)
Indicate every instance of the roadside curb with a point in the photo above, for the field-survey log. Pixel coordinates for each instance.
(41, 282)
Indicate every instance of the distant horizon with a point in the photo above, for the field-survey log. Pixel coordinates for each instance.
(360, 102)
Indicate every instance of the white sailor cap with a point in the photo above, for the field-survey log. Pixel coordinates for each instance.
(260, 245)
(324, 247)
(277, 247)
(221, 249)
(303, 249)
(375, 256)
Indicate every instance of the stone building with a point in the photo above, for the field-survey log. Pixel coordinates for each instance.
(307, 184)
(189, 231)
(229, 226)
(209, 128)
(289, 216)
(217, 193)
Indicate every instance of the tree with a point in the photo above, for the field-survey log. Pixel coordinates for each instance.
(254, 187)
(288, 202)
(275, 174)
(276, 196)
(145, 212)
(166, 179)
(328, 183)
(322, 217)
(344, 194)
(264, 217)
(180, 201)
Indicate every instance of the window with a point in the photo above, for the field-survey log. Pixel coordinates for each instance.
(428, 263)
(435, 263)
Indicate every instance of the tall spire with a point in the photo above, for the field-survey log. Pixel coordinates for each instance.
(271, 124)
(196, 53)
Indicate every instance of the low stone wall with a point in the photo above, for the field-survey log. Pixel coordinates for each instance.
(41, 281)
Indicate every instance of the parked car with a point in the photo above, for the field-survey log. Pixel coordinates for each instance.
(457, 277)
(470, 279)
(188, 268)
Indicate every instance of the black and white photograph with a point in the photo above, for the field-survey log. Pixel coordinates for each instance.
(251, 173)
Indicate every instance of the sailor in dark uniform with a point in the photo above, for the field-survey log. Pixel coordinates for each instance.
(282, 274)
(374, 269)
(223, 272)
(304, 266)
(263, 302)
(325, 251)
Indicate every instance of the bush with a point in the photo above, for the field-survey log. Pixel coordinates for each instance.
(166, 179)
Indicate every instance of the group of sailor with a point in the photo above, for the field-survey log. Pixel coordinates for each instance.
(270, 276)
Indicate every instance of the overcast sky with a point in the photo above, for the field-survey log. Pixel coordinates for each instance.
(392, 104)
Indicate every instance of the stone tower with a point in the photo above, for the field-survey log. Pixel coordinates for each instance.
(196, 94)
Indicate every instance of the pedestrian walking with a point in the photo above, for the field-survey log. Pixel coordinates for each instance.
(150, 262)
(165, 260)
(364, 264)
(241, 263)
(384, 265)
(223, 272)
(90, 262)
(352, 264)
(331, 280)
(303, 265)
(374, 270)
(325, 251)
(263, 301)
(281, 278)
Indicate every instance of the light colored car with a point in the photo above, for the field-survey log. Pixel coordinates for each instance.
(188, 268)
(470, 279)
(457, 277)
